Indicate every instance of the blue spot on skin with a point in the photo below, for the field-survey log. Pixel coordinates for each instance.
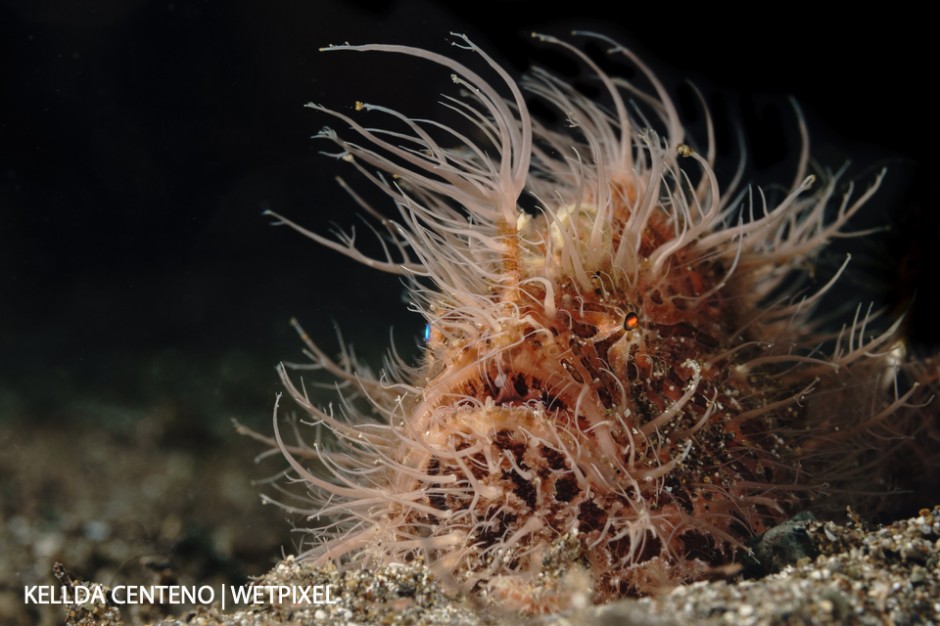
(427, 332)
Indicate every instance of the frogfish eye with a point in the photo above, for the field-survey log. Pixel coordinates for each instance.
(630, 321)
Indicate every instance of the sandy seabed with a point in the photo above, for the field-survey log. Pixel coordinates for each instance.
(129, 505)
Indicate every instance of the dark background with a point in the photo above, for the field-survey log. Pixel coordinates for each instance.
(140, 142)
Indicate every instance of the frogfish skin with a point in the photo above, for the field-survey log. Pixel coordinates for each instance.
(630, 379)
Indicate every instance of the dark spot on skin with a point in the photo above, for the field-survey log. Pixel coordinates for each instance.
(520, 386)
(633, 372)
(573, 371)
(601, 348)
(566, 488)
(590, 517)
(585, 331)
(526, 491)
(553, 402)
(437, 500)
(495, 528)
(652, 547)
(603, 394)
(505, 441)
(478, 466)
(524, 488)
(554, 458)
(588, 364)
